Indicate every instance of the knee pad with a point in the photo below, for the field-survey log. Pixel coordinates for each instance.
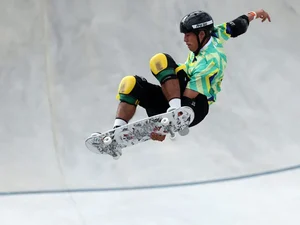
(129, 89)
(163, 67)
(199, 105)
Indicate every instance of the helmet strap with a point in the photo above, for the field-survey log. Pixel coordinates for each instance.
(200, 44)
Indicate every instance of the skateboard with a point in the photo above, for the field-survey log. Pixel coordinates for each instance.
(113, 141)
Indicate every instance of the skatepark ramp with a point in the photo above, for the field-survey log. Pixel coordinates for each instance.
(60, 66)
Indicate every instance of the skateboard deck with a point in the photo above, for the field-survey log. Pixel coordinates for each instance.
(113, 141)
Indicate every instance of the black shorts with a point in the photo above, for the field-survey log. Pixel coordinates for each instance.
(154, 102)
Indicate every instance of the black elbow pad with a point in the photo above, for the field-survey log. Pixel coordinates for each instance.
(238, 26)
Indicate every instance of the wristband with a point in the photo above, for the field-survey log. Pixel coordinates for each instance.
(253, 14)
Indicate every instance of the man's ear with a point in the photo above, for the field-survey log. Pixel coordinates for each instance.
(201, 34)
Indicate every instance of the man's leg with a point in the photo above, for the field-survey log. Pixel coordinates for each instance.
(169, 74)
(173, 80)
(124, 113)
(199, 105)
(163, 68)
(134, 91)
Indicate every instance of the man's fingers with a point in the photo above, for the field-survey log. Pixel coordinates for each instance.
(157, 137)
(265, 16)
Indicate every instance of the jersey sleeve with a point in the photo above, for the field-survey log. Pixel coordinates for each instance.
(202, 77)
(222, 32)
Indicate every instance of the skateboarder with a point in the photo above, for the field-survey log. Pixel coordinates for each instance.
(194, 83)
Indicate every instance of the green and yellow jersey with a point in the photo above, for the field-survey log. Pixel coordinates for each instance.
(206, 70)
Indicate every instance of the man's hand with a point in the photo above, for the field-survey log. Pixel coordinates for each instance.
(263, 15)
(260, 14)
(157, 137)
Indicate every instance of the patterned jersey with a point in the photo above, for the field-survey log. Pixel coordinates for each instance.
(206, 70)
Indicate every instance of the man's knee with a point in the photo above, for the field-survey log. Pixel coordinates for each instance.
(163, 67)
(199, 105)
(130, 89)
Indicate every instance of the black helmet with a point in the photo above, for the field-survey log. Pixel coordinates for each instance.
(197, 21)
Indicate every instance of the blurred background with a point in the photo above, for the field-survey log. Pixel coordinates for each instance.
(61, 62)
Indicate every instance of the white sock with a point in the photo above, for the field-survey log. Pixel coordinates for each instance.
(119, 122)
(175, 103)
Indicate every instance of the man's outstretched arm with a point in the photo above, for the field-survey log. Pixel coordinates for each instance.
(240, 25)
(259, 14)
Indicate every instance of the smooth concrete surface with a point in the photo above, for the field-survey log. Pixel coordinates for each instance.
(60, 66)
(268, 200)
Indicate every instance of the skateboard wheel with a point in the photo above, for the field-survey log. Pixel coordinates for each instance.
(165, 121)
(172, 136)
(107, 140)
(184, 131)
(117, 156)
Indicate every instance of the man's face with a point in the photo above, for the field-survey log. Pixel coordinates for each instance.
(191, 40)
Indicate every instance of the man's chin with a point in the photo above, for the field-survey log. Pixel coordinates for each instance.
(191, 49)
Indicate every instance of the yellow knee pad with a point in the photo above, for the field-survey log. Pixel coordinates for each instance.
(158, 63)
(126, 86)
(161, 68)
